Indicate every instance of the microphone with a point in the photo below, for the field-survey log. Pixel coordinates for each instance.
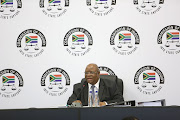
(77, 104)
(81, 89)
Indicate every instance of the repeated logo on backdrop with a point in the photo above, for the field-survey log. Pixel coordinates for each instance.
(105, 71)
(149, 80)
(31, 43)
(55, 81)
(101, 7)
(125, 40)
(78, 41)
(148, 7)
(168, 39)
(54, 8)
(10, 8)
(11, 82)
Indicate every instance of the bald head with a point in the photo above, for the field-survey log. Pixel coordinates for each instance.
(92, 73)
(92, 65)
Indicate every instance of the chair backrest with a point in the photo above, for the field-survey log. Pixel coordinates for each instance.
(118, 80)
(111, 77)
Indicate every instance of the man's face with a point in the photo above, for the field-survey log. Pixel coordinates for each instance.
(92, 74)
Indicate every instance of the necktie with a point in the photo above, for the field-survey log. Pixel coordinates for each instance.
(93, 94)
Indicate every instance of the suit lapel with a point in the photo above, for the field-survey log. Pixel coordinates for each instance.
(85, 92)
(101, 89)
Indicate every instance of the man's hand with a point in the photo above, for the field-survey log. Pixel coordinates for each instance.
(78, 101)
(102, 103)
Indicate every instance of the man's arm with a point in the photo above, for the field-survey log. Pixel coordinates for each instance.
(116, 94)
(75, 94)
(117, 97)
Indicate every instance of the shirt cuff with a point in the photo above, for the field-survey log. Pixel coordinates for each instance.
(105, 102)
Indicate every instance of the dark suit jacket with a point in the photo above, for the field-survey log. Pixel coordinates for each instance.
(108, 91)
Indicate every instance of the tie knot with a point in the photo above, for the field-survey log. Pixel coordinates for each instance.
(92, 87)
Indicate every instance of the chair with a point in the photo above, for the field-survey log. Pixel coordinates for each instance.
(114, 77)
(111, 77)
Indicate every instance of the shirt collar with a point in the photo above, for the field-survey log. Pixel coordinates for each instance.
(96, 85)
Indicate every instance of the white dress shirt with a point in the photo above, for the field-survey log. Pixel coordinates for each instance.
(96, 88)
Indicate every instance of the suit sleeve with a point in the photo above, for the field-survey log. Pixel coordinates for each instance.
(75, 95)
(116, 94)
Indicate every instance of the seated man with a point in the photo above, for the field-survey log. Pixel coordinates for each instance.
(107, 90)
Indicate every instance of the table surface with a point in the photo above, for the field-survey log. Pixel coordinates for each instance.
(87, 113)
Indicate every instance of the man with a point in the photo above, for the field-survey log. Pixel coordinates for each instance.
(107, 89)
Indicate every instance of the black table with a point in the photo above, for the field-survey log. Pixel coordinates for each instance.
(102, 113)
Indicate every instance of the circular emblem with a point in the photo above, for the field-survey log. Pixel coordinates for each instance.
(55, 81)
(148, 7)
(125, 40)
(168, 39)
(101, 7)
(78, 41)
(10, 8)
(31, 43)
(11, 83)
(54, 8)
(149, 80)
(105, 71)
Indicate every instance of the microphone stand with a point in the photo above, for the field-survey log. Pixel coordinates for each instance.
(77, 104)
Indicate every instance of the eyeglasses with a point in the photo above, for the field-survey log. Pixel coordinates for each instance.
(91, 73)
